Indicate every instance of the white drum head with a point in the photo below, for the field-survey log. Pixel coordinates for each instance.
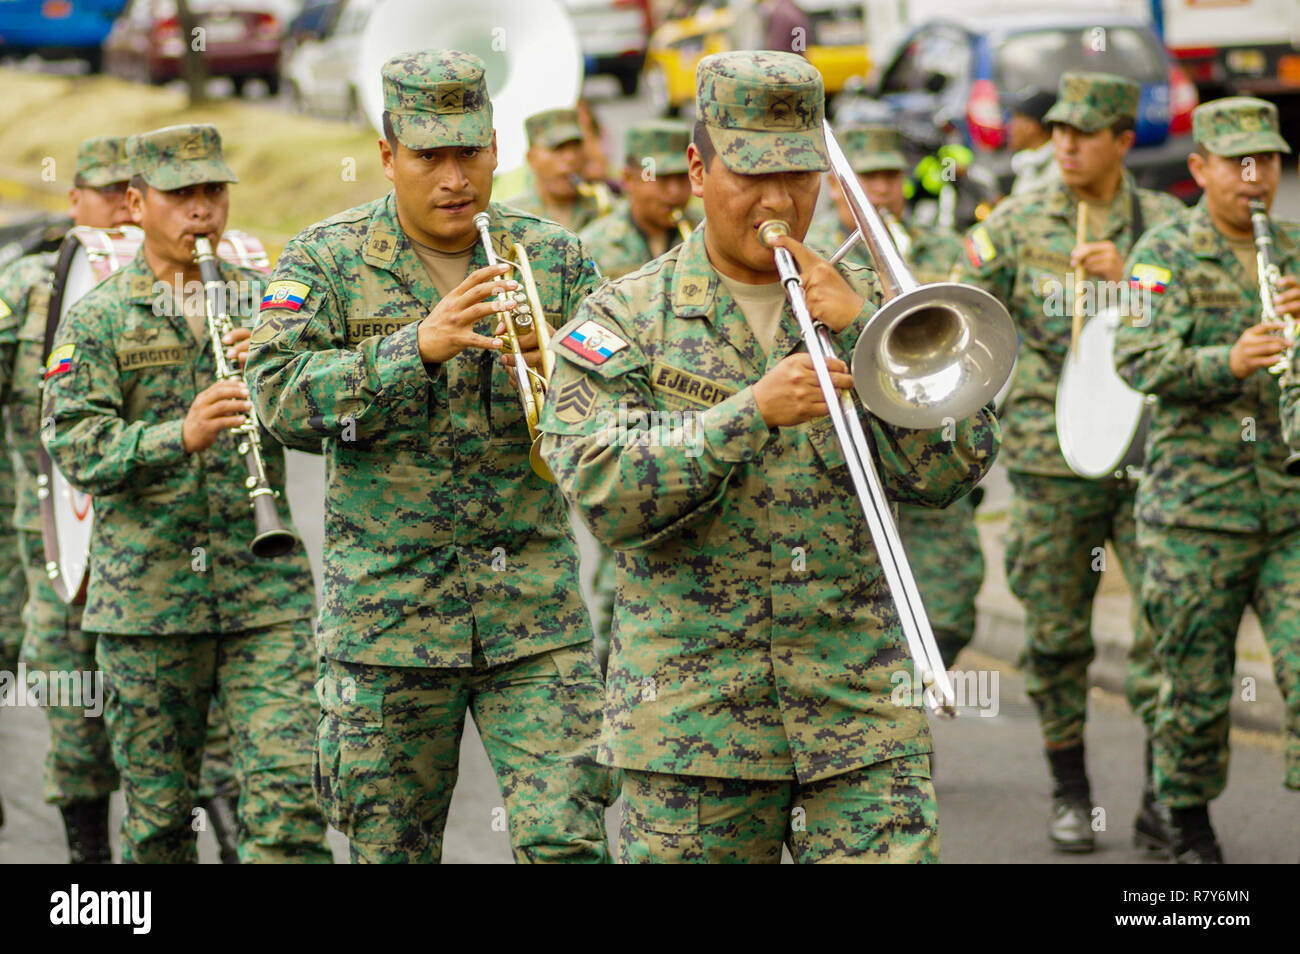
(74, 518)
(1097, 413)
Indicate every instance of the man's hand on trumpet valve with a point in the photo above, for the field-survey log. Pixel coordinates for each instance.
(830, 299)
(528, 344)
(449, 329)
(789, 394)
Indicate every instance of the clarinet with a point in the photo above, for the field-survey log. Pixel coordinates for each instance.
(271, 538)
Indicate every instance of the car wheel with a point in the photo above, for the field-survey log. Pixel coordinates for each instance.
(239, 82)
(272, 81)
(628, 80)
(95, 60)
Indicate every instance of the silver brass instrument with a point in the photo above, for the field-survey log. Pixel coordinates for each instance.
(271, 538)
(931, 355)
(1269, 276)
(525, 313)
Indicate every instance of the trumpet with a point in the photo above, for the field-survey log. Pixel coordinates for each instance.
(271, 538)
(679, 222)
(524, 313)
(594, 189)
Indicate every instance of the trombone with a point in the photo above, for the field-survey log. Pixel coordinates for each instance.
(928, 356)
(525, 312)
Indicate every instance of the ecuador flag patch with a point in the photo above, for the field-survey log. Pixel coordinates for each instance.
(1153, 278)
(979, 247)
(285, 294)
(60, 360)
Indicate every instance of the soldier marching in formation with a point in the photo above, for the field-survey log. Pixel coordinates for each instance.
(750, 696)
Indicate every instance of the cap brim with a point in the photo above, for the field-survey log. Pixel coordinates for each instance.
(190, 173)
(753, 152)
(1246, 144)
(105, 175)
(418, 131)
(1069, 114)
(673, 165)
(560, 135)
(881, 162)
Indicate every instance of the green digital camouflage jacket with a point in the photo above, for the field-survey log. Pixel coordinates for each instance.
(24, 301)
(754, 636)
(1021, 254)
(437, 531)
(585, 212)
(169, 552)
(1214, 449)
(930, 258)
(618, 245)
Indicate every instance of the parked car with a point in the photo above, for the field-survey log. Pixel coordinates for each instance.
(836, 46)
(613, 35)
(945, 77)
(320, 57)
(57, 29)
(241, 40)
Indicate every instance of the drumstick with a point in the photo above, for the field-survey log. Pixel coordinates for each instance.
(1076, 324)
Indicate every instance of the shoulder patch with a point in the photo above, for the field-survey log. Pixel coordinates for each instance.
(60, 360)
(285, 294)
(1151, 278)
(574, 401)
(980, 248)
(266, 330)
(594, 342)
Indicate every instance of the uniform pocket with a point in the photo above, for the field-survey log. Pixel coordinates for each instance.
(348, 766)
(660, 803)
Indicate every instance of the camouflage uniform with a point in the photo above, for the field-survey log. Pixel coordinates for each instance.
(552, 128)
(754, 631)
(619, 246)
(450, 573)
(1218, 517)
(182, 610)
(942, 544)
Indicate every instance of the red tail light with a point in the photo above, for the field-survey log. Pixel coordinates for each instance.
(984, 116)
(266, 25)
(1182, 100)
(165, 29)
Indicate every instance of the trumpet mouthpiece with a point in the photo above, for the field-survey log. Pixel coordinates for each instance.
(771, 229)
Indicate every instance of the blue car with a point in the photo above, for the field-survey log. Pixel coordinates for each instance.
(57, 29)
(945, 78)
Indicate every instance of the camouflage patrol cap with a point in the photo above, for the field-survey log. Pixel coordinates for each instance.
(438, 98)
(102, 161)
(178, 156)
(1238, 126)
(663, 141)
(1093, 101)
(552, 128)
(763, 110)
(872, 148)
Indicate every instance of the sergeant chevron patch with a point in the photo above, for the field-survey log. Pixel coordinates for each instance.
(574, 401)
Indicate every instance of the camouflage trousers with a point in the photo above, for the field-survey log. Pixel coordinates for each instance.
(159, 694)
(1198, 584)
(388, 754)
(79, 765)
(943, 548)
(1055, 552)
(880, 813)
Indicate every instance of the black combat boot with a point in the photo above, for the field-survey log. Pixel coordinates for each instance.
(1192, 838)
(1151, 827)
(225, 827)
(1070, 828)
(87, 826)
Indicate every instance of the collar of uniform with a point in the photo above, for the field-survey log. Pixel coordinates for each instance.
(695, 283)
(1205, 238)
(1065, 205)
(142, 284)
(386, 247)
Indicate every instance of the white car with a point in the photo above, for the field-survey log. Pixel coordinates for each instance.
(320, 55)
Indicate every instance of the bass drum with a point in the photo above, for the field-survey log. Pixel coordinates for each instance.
(1101, 422)
(86, 257)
